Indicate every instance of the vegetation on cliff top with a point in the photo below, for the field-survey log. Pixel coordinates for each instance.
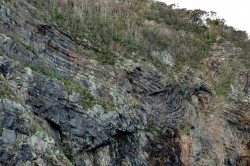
(136, 28)
(127, 26)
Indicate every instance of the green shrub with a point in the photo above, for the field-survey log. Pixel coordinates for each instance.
(37, 128)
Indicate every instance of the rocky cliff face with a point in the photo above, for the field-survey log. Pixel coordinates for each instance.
(60, 107)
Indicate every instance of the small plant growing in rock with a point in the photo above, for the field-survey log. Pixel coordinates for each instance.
(37, 128)
(6, 92)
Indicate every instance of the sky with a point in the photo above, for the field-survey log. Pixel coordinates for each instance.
(235, 13)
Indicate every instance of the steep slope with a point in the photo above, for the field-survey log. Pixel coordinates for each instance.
(181, 99)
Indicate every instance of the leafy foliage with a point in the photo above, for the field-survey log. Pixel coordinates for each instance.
(121, 27)
(136, 28)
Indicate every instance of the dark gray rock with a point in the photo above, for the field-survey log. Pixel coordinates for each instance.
(152, 122)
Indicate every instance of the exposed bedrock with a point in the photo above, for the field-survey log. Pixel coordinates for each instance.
(60, 107)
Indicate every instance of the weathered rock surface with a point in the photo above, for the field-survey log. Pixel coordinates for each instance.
(152, 122)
